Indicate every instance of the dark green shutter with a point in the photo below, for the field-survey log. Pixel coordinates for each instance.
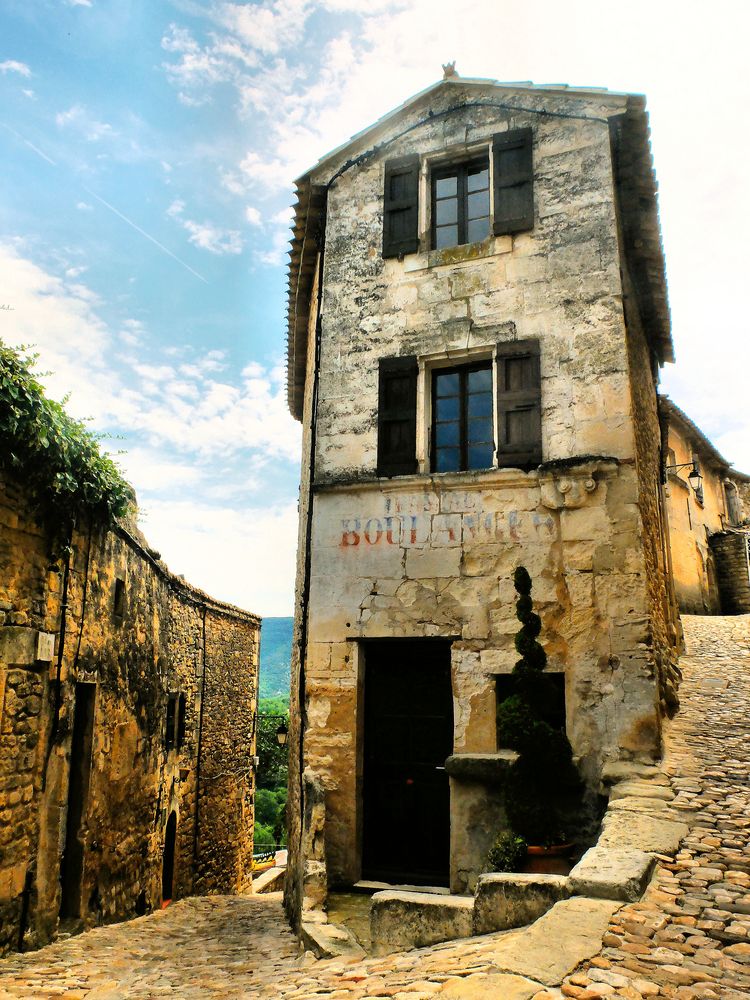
(401, 207)
(397, 417)
(519, 403)
(513, 182)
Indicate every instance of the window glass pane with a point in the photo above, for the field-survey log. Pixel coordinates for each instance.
(447, 460)
(445, 187)
(480, 404)
(447, 434)
(479, 177)
(446, 385)
(480, 456)
(447, 408)
(446, 211)
(477, 229)
(478, 205)
(446, 236)
(479, 431)
(480, 381)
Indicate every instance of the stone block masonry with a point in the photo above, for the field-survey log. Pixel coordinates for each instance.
(730, 549)
(126, 738)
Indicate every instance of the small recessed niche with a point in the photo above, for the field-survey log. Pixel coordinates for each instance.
(118, 607)
(554, 710)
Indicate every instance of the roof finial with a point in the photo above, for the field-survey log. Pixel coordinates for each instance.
(449, 70)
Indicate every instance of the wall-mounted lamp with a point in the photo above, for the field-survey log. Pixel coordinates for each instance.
(694, 476)
(282, 733)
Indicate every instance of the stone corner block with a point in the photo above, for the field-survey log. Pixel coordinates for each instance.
(327, 940)
(18, 645)
(603, 873)
(505, 899)
(403, 920)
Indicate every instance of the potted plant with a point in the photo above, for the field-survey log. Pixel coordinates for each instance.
(543, 792)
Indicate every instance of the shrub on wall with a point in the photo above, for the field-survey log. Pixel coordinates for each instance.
(56, 458)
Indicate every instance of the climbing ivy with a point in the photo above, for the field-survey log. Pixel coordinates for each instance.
(56, 458)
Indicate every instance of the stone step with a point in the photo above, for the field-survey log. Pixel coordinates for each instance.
(403, 920)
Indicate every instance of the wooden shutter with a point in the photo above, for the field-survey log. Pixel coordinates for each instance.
(397, 417)
(519, 400)
(400, 206)
(513, 182)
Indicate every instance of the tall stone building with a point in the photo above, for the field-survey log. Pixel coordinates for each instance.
(127, 717)
(477, 316)
(709, 524)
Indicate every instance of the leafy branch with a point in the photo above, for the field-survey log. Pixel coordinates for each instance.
(56, 458)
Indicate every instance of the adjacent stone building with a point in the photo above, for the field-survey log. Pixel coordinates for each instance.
(709, 523)
(127, 708)
(477, 316)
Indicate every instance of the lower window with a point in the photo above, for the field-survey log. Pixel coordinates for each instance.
(463, 421)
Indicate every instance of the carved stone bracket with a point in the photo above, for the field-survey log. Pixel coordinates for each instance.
(569, 485)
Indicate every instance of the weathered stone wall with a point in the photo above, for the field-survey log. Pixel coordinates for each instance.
(691, 523)
(134, 661)
(428, 555)
(660, 625)
(733, 569)
(297, 857)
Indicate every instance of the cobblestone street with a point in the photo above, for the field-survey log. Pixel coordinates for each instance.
(689, 937)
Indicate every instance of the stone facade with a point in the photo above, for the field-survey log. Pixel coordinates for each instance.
(708, 527)
(101, 649)
(430, 556)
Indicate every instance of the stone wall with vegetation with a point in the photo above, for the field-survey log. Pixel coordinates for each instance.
(159, 638)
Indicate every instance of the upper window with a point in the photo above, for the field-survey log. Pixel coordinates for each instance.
(469, 199)
(463, 434)
(482, 414)
(461, 204)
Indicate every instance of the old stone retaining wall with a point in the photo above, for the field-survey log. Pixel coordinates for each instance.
(137, 644)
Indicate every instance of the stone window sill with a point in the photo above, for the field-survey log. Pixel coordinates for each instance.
(484, 768)
(477, 480)
(464, 254)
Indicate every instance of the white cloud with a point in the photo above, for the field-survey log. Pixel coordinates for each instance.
(206, 235)
(79, 119)
(214, 239)
(13, 66)
(84, 206)
(80, 3)
(245, 556)
(253, 216)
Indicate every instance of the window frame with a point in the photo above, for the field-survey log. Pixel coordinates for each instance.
(462, 370)
(459, 167)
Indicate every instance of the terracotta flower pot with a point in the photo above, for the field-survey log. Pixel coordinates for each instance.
(553, 860)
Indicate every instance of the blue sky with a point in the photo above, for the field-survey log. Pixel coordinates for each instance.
(149, 149)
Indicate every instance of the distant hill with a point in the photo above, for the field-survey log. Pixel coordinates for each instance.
(275, 656)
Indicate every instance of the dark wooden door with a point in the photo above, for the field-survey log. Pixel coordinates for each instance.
(71, 868)
(408, 735)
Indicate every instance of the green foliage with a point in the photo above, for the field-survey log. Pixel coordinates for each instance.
(57, 458)
(543, 791)
(507, 854)
(272, 770)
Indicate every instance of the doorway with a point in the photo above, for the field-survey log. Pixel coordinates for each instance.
(408, 733)
(71, 868)
(167, 867)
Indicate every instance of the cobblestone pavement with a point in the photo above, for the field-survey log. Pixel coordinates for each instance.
(688, 938)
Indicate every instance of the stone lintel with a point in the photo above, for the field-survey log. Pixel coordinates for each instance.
(485, 768)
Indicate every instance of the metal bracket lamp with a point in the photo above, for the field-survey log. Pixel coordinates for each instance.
(694, 476)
